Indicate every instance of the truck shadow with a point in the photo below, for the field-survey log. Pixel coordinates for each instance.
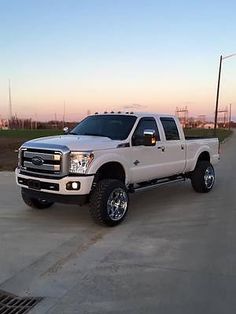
(176, 197)
(171, 197)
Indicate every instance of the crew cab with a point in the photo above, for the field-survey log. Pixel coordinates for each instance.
(107, 156)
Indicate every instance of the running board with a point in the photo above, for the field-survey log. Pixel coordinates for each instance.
(150, 186)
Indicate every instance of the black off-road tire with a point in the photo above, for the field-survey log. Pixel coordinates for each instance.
(198, 177)
(99, 198)
(34, 202)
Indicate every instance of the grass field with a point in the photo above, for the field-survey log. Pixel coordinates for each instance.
(11, 140)
(220, 133)
(28, 134)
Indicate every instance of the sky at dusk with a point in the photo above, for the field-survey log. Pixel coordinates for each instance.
(115, 54)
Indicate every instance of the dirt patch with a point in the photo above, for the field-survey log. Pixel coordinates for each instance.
(8, 156)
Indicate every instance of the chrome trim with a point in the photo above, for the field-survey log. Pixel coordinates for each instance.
(45, 167)
(209, 177)
(44, 156)
(47, 152)
(117, 204)
(149, 132)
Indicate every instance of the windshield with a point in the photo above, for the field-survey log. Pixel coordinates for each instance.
(116, 127)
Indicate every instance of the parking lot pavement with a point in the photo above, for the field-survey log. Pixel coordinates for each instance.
(174, 254)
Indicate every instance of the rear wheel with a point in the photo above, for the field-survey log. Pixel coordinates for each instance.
(203, 177)
(109, 202)
(36, 203)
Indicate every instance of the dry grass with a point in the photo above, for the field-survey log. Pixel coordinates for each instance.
(11, 140)
(8, 156)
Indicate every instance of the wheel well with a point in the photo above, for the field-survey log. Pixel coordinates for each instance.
(111, 170)
(204, 156)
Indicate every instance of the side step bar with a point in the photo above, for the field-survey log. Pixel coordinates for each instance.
(151, 185)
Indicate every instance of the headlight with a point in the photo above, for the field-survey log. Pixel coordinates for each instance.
(79, 162)
(19, 158)
(20, 153)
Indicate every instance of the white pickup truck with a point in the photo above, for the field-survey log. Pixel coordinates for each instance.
(107, 156)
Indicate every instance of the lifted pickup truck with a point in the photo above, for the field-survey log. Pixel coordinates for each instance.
(107, 156)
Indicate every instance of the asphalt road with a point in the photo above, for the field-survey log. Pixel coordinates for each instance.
(176, 252)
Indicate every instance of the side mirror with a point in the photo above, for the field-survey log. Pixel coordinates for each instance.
(65, 130)
(149, 137)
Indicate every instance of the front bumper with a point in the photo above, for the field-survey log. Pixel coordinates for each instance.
(56, 198)
(55, 186)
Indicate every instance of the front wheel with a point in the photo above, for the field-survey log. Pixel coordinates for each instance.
(109, 202)
(203, 177)
(36, 203)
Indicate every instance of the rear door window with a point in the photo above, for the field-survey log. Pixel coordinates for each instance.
(170, 129)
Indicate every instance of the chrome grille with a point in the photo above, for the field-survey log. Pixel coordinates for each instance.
(44, 166)
(45, 156)
(47, 162)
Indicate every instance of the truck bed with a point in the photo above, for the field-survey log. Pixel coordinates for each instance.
(198, 137)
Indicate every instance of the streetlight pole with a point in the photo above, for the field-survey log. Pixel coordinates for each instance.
(217, 95)
(230, 106)
(218, 89)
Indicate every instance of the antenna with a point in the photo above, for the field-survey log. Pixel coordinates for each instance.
(10, 100)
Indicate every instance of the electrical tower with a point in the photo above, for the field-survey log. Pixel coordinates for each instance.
(182, 114)
(202, 118)
(223, 117)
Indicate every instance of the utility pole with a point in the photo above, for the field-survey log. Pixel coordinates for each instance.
(36, 121)
(64, 113)
(55, 117)
(217, 95)
(218, 88)
(230, 108)
(10, 99)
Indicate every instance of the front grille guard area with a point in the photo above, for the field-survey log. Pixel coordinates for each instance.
(44, 161)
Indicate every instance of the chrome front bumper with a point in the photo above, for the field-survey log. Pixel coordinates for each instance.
(58, 186)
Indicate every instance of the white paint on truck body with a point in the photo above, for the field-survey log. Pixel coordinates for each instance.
(140, 163)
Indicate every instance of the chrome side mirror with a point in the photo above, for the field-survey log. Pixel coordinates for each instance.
(149, 137)
(65, 130)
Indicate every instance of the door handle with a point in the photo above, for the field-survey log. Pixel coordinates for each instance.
(162, 148)
(182, 147)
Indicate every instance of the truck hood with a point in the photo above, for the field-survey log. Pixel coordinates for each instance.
(73, 142)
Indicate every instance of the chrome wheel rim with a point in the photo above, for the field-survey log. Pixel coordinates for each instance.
(117, 204)
(209, 177)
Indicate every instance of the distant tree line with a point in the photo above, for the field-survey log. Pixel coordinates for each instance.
(16, 123)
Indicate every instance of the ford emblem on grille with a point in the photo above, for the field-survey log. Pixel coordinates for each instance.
(37, 161)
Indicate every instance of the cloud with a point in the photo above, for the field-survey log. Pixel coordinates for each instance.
(133, 107)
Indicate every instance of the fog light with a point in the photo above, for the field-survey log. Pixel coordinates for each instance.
(73, 185)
